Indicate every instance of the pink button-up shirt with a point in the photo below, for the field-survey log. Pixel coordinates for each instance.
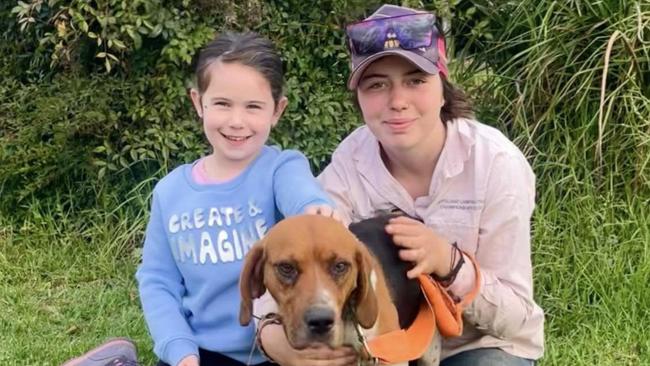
(481, 197)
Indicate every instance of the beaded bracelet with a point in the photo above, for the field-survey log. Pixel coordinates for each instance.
(449, 278)
(270, 318)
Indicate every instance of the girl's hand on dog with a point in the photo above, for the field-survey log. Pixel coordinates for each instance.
(429, 252)
(323, 210)
(324, 356)
(190, 360)
(274, 341)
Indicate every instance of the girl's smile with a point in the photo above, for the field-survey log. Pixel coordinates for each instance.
(236, 140)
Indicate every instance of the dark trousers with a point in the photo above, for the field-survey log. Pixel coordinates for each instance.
(209, 358)
(486, 357)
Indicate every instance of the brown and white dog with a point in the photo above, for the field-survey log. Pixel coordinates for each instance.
(326, 282)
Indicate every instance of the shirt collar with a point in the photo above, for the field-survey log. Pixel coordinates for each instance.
(458, 147)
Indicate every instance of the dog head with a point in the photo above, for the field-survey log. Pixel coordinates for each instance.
(315, 269)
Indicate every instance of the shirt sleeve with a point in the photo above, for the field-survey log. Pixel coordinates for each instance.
(465, 279)
(294, 185)
(505, 301)
(262, 306)
(334, 181)
(161, 290)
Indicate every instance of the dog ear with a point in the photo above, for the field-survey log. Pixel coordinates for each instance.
(251, 281)
(366, 300)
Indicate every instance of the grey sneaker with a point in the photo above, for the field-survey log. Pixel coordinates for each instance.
(114, 352)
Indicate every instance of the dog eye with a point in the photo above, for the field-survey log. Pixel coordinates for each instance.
(340, 268)
(286, 270)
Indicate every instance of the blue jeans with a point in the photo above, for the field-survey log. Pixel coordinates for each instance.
(486, 357)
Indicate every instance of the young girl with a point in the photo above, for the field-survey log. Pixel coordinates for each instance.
(422, 152)
(206, 215)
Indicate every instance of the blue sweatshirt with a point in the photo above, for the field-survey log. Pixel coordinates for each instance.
(194, 249)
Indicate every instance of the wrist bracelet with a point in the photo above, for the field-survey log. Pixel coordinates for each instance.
(449, 278)
(270, 318)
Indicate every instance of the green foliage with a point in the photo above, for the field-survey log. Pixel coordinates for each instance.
(45, 136)
(320, 111)
(108, 80)
(78, 32)
(67, 282)
(581, 111)
(535, 68)
(546, 74)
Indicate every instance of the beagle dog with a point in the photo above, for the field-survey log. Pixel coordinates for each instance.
(328, 286)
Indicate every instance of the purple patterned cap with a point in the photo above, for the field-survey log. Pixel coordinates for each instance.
(391, 31)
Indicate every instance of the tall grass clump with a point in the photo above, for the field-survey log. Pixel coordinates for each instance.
(569, 81)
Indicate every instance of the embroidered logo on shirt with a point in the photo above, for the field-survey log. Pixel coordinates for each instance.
(467, 205)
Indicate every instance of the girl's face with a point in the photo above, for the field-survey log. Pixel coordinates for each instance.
(238, 112)
(401, 104)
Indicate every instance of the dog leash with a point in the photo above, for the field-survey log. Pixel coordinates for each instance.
(439, 312)
(270, 318)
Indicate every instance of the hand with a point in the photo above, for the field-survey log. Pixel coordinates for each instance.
(323, 210)
(429, 252)
(323, 356)
(190, 360)
(278, 348)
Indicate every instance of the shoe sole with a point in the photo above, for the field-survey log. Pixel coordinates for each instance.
(88, 355)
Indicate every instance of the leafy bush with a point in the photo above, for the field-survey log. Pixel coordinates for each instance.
(97, 92)
(46, 133)
(101, 91)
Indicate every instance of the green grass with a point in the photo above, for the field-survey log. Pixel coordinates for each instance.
(68, 281)
(592, 268)
(67, 284)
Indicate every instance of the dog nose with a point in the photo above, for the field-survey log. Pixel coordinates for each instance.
(319, 320)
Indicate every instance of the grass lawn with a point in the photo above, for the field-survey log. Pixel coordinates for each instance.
(67, 282)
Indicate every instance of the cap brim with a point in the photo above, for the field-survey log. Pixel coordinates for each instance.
(420, 62)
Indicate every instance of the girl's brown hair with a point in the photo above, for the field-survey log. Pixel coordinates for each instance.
(248, 49)
(457, 104)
